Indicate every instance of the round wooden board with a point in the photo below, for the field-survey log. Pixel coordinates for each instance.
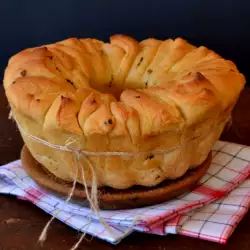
(110, 198)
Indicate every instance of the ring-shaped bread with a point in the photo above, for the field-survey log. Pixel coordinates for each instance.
(122, 96)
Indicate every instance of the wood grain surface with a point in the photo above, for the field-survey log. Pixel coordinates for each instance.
(22, 222)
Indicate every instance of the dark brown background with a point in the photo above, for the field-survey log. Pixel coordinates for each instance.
(21, 222)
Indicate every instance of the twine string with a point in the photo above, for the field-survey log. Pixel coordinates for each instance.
(43, 235)
(92, 196)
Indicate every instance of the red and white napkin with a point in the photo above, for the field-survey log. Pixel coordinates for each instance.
(210, 212)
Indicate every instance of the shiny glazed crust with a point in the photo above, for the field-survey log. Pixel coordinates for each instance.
(122, 96)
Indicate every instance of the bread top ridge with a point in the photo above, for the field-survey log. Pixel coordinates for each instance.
(121, 88)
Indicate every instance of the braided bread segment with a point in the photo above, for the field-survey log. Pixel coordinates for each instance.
(125, 96)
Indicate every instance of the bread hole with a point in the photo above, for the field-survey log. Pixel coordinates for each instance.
(138, 64)
(58, 69)
(108, 122)
(70, 82)
(114, 88)
(157, 177)
(23, 72)
(111, 82)
(150, 157)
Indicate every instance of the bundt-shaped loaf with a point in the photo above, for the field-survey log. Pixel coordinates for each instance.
(122, 96)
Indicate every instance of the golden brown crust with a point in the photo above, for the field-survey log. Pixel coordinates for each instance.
(148, 50)
(122, 96)
(155, 117)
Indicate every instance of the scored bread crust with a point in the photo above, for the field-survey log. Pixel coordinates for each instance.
(122, 96)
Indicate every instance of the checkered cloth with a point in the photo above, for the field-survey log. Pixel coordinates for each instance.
(210, 212)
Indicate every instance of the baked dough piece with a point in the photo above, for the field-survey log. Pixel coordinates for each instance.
(122, 96)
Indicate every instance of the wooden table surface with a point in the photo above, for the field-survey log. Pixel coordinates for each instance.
(22, 222)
